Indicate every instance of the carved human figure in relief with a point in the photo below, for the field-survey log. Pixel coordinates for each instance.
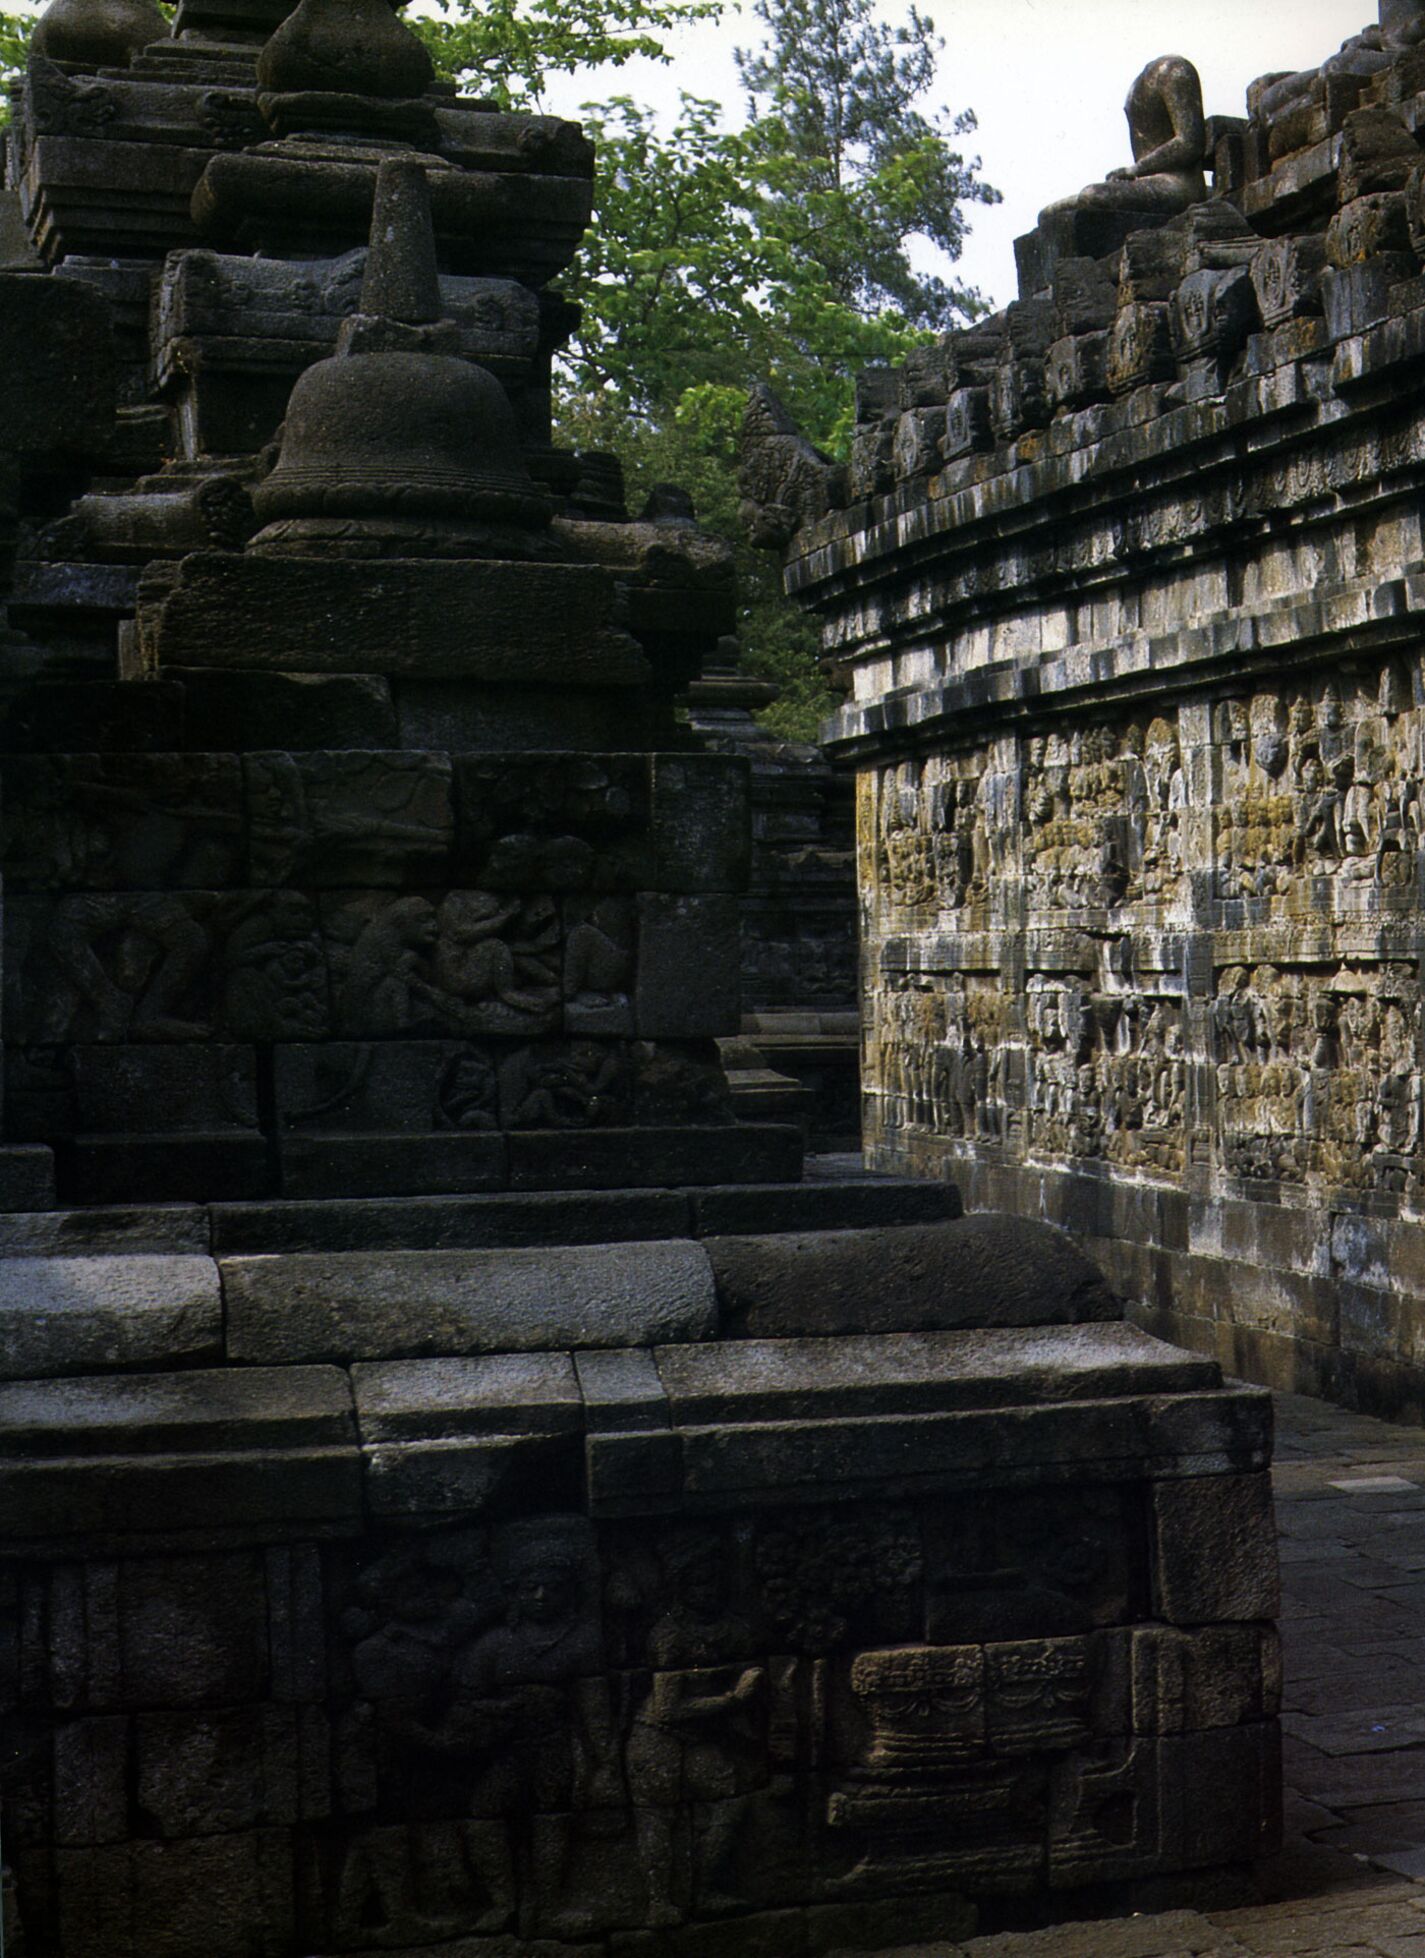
(695, 1735)
(1169, 135)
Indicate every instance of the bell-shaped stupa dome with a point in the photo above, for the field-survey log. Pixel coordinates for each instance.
(403, 443)
(347, 47)
(407, 434)
(97, 33)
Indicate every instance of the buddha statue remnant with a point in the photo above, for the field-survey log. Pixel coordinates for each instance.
(1401, 26)
(1165, 121)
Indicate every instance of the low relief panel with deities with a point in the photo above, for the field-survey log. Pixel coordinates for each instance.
(936, 1055)
(425, 1086)
(319, 820)
(1103, 813)
(1107, 1075)
(244, 965)
(554, 822)
(943, 831)
(1320, 781)
(122, 822)
(570, 1730)
(1318, 1074)
(466, 963)
(475, 1668)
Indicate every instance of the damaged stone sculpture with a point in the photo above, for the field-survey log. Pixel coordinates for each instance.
(1165, 122)
(1140, 825)
(461, 1485)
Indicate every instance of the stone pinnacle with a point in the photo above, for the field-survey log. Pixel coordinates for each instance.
(402, 281)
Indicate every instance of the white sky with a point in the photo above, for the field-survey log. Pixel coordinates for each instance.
(1047, 79)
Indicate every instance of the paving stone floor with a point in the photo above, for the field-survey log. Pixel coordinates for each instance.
(1350, 1880)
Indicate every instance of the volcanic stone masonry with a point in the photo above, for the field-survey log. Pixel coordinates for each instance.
(461, 1487)
(1130, 580)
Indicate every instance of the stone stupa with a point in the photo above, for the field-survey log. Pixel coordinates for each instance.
(462, 1487)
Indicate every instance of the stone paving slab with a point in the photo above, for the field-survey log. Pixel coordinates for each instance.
(1350, 1880)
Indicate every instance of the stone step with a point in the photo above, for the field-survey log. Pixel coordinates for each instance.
(631, 1431)
(576, 1216)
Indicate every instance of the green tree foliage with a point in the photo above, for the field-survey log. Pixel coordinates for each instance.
(781, 251)
(14, 39)
(507, 49)
(852, 166)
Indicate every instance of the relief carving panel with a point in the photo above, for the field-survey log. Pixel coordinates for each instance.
(1320, 781)
(1103, 810)
(1107, 1075)
(1318, 1074)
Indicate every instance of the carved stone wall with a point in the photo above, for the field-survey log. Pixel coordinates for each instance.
(1137, 707)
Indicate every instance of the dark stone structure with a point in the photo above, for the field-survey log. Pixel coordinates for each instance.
(461, 1487)
(800, 1049)
(1128, 579)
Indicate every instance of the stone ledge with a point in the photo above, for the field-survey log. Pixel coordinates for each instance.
(1332, 621)
(181, 1451)
(405, 1304)
(1196, 1437)
(70, 1315)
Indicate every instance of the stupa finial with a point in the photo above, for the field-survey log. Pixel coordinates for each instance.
(402, 280)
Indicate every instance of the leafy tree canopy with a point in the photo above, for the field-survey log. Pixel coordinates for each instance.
(508, 49)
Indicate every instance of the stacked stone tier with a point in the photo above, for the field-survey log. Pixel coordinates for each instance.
(1128, 582)
(963, 1595)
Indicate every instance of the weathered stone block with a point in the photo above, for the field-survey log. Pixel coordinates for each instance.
(392, 1165)
(328, 819)
(225, 1771)
(506, 1394)
(1019, 399)
(554, 822)
(1215, 1549)
(1077, 371)
(689, 983)
(807, 1207)
(91, 1781)
(1188, 1682)
(1357, 296)
(1213, 313)
(154, 1452)
(371, 1306)
(1378, 153)
(915, 451)
(700, 821)
(76, 1315)
(296, 711)
(300, 615)
(135, 1090)
(871, 470)
(1366, 227)
(122, 822)
(1140, 349)
(147, 1168)
(979, 1271)
(228, 1895)
(968, 427)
